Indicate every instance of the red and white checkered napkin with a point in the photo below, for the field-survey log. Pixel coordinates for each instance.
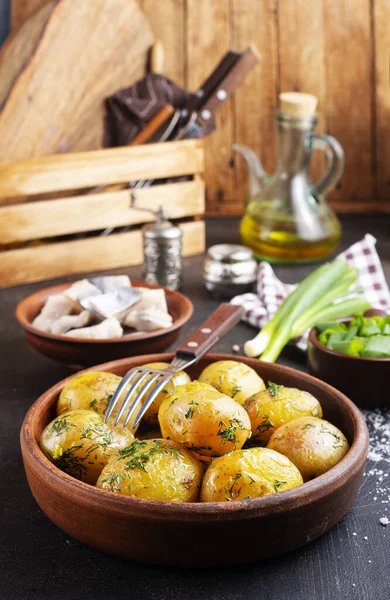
(261, 307)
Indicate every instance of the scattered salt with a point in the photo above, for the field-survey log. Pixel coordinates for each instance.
(385, 521)
(354, 533)
(365, 537)
(236, 348)
(378, 422)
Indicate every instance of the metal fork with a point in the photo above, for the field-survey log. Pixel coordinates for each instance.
(216, 326)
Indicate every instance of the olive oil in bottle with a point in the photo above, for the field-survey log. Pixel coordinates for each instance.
(287, 219)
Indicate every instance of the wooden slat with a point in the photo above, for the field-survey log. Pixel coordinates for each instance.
(21, 10)
(90, 213)
(381, 30)
(167, 21)
(357, 207)
(85, 256)
(255, 101)
(208, 38)
(302, 58)
(349, 105)
(100, 167)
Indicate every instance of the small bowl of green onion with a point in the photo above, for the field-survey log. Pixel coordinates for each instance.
(353, 355)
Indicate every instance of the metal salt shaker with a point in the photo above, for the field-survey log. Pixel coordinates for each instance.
(162, 252)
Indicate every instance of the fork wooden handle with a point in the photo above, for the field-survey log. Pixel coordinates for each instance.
(219, 323)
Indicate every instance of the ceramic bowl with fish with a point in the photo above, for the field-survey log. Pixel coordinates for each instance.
(69, 339)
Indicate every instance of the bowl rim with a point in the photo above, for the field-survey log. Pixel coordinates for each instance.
(199, 511)
(313, 338)
(186, 314)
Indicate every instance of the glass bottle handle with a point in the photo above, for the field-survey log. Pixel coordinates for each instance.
(335, 162)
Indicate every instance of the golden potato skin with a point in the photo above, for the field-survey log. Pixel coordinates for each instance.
(247, 474)
(180, 378)
(277, 405)
(233, 378)
(199, 417)
(313, 445)
(80, 443)
(91, 391)
(154, 470)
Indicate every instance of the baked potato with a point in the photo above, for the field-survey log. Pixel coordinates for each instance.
(313, 445)
(248, 474)
(180, 378)
(91, 391)
(233, 378)
(80, 443)
(271, 408)
(199, 417)
(154, 470)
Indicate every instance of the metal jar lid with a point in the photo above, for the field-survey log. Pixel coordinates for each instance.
(229, 269)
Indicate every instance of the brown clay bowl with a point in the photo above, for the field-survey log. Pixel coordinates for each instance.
(365, 380)
(76, 352)
(199, 534)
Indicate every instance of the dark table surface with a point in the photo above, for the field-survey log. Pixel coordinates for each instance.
(38, 561)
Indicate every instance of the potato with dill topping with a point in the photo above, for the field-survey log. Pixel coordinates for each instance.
(233, 378)
(277, 405)
(80, 443)
(90, 391)
(313, 445)
(154, 470)
(248, 474)
(180, 378)
(199, 417)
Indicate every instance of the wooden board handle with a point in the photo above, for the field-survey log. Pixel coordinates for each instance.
(217, 325)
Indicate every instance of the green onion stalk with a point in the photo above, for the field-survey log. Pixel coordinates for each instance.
(320, 296)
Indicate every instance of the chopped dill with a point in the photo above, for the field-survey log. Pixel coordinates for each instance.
(71, 463)
(228, 432)
(308, 426)
(234, 390)
(99, 433)
(277, 484)
(114, 481)
(229, 490)
(93, 404)
(139, 453)
(274, 388)
(265, 424)
(61, 424)
(194, 406)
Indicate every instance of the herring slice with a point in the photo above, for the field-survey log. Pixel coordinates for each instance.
(113, 304)
(148, 320)
(111, 282)
(107, 329)
(80, 290)
(67, 322)
(56, 306)
(151, 299)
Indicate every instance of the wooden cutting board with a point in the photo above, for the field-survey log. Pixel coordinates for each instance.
(84, 52)
(21, 10)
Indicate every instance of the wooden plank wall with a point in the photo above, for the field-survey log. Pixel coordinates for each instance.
(337, 50)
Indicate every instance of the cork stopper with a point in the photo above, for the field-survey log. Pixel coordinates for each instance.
(295, 104)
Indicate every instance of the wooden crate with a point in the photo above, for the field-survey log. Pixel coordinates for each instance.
(26, 212)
